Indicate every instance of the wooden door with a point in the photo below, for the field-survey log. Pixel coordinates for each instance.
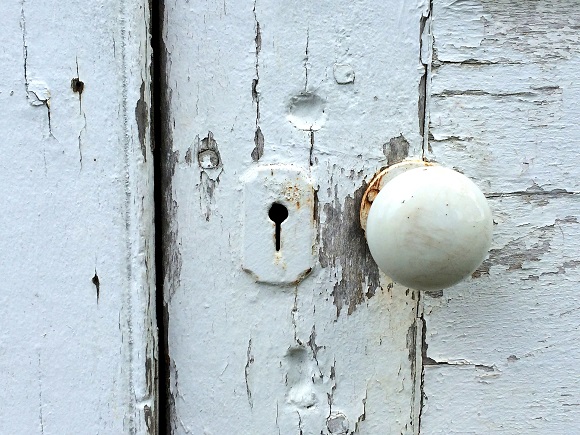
(339, 90)
(321, 96)
(504, 105)
(272, 118)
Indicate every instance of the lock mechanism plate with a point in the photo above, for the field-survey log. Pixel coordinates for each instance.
(290, 259)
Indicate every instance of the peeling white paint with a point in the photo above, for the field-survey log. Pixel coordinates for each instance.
(501, 349)
(76, 250)
(342, 343)
(38, 93)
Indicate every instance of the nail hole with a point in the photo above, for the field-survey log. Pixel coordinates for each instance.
(77, 85)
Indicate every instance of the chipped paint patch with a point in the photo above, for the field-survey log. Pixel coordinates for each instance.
(344, 250)
(97, 284)
(396, 150)
(142, 119)
(211, 166)
(523, 250)
(306, 111)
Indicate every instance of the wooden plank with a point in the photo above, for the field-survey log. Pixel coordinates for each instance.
(78, 344)
(503, 105)
(335, 90)
(500, 349)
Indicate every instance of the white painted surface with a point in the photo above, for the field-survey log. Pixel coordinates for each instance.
(503, 348)
(77, 346)
(330, 87)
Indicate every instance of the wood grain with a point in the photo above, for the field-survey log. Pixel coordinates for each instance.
(500, 349)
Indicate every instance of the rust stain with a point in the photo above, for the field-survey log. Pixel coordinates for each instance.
(369, 196)
(378, 181)
(292, 193)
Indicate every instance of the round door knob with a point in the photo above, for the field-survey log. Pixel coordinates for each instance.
(427, 227)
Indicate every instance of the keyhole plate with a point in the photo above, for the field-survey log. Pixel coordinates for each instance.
(278, 249)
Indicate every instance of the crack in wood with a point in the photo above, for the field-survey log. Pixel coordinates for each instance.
(249, 362)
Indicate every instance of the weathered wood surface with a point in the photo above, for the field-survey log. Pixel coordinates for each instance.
(77, 347)
(501, 350)
(336, 89)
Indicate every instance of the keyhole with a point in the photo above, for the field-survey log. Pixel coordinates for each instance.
(278, 214)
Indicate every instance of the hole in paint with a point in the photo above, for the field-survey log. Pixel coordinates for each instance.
(278, 214)
(77, 85)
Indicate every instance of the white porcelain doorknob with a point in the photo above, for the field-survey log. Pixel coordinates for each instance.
(428, 227)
